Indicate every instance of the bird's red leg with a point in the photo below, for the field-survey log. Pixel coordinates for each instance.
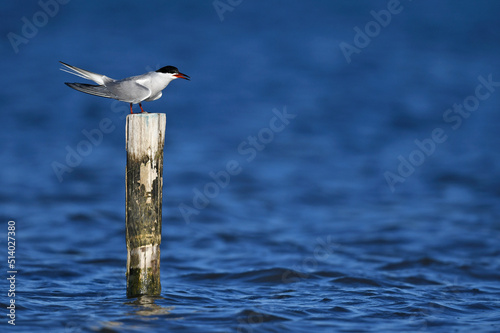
(131, 109)
(141, 108)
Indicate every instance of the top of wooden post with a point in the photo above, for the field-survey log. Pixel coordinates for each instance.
(145, 138)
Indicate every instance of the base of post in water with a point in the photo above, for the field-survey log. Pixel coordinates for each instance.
(143, 271)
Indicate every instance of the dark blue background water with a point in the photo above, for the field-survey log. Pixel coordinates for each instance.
(309, 236)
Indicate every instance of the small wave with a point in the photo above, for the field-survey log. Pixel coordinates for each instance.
(356, 282)
(257, 317)
(270, 275)
(407, 264)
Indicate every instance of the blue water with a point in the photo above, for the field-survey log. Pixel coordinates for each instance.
(336, 220)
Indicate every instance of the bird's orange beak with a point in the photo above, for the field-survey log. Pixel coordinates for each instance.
(183, 76)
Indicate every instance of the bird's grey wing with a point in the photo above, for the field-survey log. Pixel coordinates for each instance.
(91, 89)
(128, 90)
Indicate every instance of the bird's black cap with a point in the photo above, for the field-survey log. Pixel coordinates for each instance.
(168, 70)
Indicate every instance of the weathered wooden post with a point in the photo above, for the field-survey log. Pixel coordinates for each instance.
(145, 137)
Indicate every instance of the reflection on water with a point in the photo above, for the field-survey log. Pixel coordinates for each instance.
(146, 306)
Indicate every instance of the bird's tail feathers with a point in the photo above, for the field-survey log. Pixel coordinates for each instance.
(97, 78)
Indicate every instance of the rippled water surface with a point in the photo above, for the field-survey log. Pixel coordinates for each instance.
(366, 198)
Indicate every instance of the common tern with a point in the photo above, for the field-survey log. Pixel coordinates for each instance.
(135, 89)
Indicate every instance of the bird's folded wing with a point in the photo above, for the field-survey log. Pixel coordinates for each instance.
(129, 91)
